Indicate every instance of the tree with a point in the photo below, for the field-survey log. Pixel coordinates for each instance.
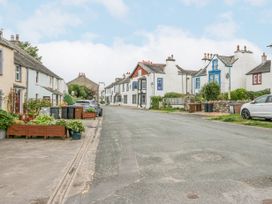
(211, 91)
(80, 91)
(30, 49)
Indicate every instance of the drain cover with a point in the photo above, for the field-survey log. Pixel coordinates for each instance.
(192, 195)
(267, 201)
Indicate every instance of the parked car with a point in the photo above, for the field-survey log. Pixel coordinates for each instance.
(261, 107)
(90, 103)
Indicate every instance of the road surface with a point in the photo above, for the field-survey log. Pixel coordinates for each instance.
(151, 157)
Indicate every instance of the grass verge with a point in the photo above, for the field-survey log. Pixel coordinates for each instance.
(235, 118)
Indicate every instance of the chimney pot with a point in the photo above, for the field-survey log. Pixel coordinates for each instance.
(17, 37)
(238, 47)
(245, 48)
(264, 58)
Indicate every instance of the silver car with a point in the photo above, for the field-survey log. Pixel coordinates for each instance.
(261, 107)
(90, 103)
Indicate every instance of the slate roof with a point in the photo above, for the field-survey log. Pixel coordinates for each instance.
(52, 90)
(153, 68)
(21, 57)
(83, 80)
(262, 68)
(6, 43)
(201, 72)
(227, 60)
(186, 71)
(124, 80)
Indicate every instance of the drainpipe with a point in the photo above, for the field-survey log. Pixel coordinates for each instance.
(229, 95)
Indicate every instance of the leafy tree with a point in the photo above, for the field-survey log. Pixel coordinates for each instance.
(80, 91)
(30, 49)
(211, 91)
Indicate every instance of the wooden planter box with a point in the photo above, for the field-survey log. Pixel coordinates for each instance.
(87, 115)
(37, 130)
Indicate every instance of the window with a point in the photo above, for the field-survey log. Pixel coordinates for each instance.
(143, 84)
(261, 99)
(123, 87)
(197, 83)
(18, 73)
(269, 99)
(125, 99)
(159, 84)
(37, 77)
(215, 64)
(1, 62)
(134, 85)
(257, 79)
(214, 77)
(134, 99)
(139, 72)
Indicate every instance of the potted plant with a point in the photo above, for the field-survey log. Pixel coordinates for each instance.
(89, 113)
(75, 127)
(6, 120)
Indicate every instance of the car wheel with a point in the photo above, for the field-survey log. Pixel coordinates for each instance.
(245, 114)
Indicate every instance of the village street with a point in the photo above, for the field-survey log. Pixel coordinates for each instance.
(151, 157)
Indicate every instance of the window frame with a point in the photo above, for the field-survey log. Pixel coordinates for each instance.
(197, 83)
(257, 79)
(159, 84)
(18, 72)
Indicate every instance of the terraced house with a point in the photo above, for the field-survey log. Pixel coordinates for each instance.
(23, 77)
(149, 79)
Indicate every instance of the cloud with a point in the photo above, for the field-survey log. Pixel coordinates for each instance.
(224, 28)
(47, 21)
(103, 62)
(256, 2)
(116, 8)
(198, 3)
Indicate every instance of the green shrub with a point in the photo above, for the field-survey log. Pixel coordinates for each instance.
(210, 91)
(68, 99)
(239, 94)
(91, 110)
(33, 106)
(173, 95)
(43, 120)
(6, 120)
(76, 126)
(155, 102)
(252, 95)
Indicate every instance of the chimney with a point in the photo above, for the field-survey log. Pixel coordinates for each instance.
(12, 38)
(264, 58)
(17, 38)
(1, 33)
(245, 48)
(171, 58)
(238, 48)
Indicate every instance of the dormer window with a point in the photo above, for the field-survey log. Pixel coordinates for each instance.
(215, 64)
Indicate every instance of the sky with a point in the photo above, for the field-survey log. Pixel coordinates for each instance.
(106, 38)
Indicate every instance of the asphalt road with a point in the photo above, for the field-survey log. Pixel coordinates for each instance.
(151, 157)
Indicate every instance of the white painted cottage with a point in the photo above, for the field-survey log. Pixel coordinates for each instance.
(228, 71)
(149, 79)
(260, 77)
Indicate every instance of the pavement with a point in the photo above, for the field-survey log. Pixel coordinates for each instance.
(32, 169)
(152, 157)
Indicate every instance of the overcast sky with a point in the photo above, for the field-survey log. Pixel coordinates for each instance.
(106, 38)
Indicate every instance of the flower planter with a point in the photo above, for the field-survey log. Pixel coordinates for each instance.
(37, 130)
(56, 131)
(75, 135)
(17, 130)
(87, 115)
